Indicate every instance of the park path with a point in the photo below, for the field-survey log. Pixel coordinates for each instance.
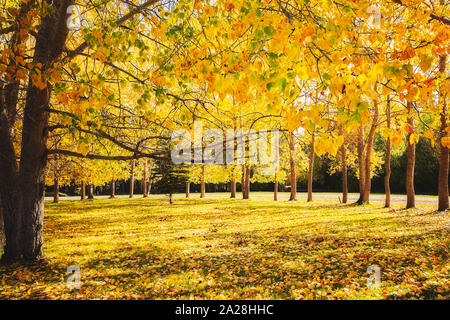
(352, 197)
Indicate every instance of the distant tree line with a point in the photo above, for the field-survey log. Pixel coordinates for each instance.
(425, 176)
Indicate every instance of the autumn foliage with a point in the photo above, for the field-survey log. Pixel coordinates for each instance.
(91, 96)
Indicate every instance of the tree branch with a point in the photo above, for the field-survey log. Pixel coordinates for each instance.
(69, 153)
(118, 22)
(433, 16)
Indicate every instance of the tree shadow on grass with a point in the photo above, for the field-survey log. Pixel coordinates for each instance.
(329, 262)
(311, 264)
(282, 262)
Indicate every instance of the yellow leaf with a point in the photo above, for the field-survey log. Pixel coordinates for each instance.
(413, 138)
(396, 138)
(445, 141)
(429, 134)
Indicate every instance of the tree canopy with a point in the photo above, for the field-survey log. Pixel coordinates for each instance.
(110, 80)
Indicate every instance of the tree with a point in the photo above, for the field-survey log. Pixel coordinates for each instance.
(22, 190)
(275, 187)
(233, 183)
(311, 166)
(83, 190)
(112, 189)
(202, 181)
(343, 153)
(171, 176)
(59, 172)
(387, 176)
(293, 176)
(135, 71)
(443, 135)
(245, 181)
(90, 191)
(188, 185)
(133, 165)
(411, 158)
(144, 181)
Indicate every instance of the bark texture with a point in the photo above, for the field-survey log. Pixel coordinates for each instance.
(113, 189)
(361, 164)
(344, 174)
(233, 187)
(91, 191)
(387, 176)
(83, 190)
(133, 165)
(293, 177)
(56, 190)
(202, 182)
(150, 180)
(22, 190)
(365, 157)
(311, 167)
(246, 186)
(410, 163)
(275, 188)
(22, 187)
(443, 156)
(144, 181)
(368, 154)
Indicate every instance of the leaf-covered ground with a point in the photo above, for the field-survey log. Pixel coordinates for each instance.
(235, 249)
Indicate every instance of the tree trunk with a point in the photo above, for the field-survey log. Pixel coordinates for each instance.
(91, 191)
(56, 181)
(443, 157)
(150, 181)
(9, 186)
(133, 165)
(275, 188)
(246, 187)
(368, 155)
(233, 182)
(12, 250)
(22, 190)
(243, 181)
(344, 173)
(202, 182)
(311, 166)
(387, 177)
(113, 189)
(361, 164)
(187, 189)
(233, 187)
(411, 158)
(233, 167)
(2, 230)
(293, 176)
(144, 181)
(9, 191)
(83, 190)
(56, 190)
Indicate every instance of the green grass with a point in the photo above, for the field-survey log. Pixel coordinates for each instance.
(235, 249)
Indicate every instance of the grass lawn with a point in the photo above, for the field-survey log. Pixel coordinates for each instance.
(235, 249)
